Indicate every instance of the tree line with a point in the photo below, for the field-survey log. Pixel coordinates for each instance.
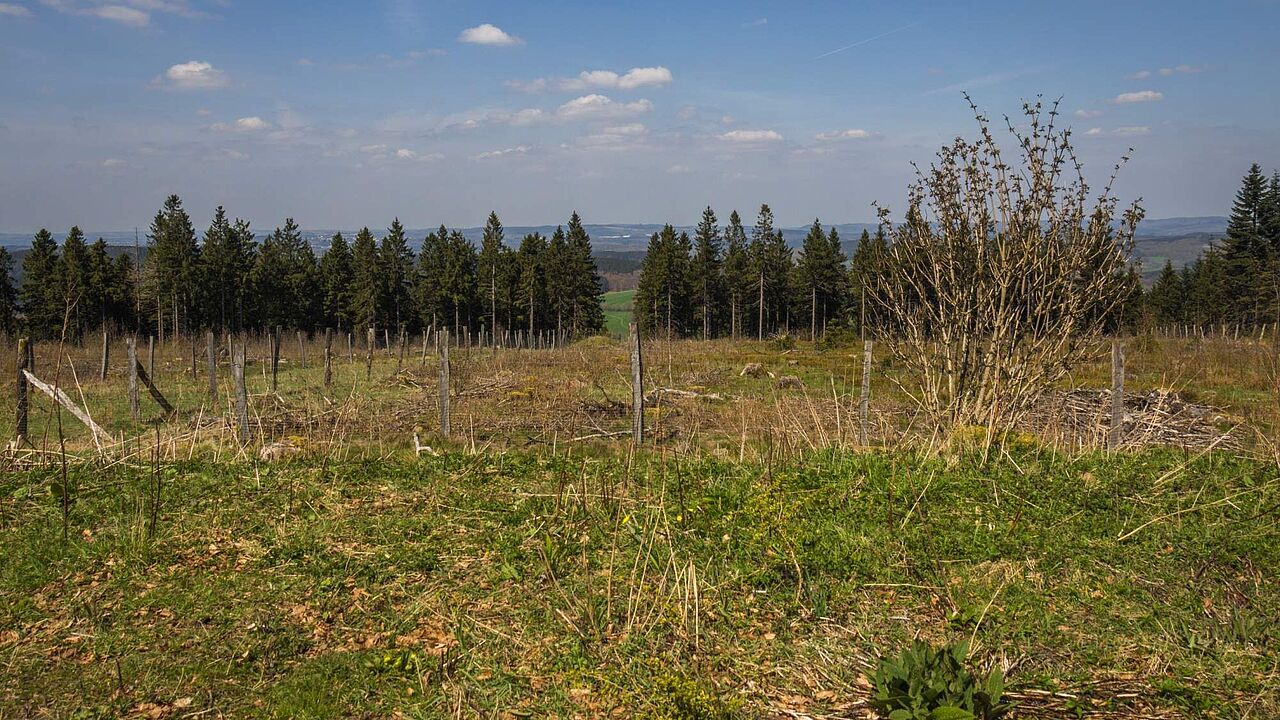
(733, 282)
(1237, 281)
(230, 281)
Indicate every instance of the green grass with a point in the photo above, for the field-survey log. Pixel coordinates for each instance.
(618, 307)
(552, 586)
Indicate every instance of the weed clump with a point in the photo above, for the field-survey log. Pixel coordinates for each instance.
(928, 683)
(686, 699)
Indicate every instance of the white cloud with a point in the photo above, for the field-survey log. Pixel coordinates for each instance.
(113, 163)
(758, 22)
(134, 13)
(13, 10)
(1126, 131)
(600, 106)
(121, 14)
(486, 34)
(679, 170)
(630, 129)
(193, 75)
(518, 150)
(204, 112)
(406, 154)
(633, 78)
(305, 62)
(528, 116)
(751, 136)
(373, 149)
(1140, 75)
(244, 124)
(1137, 97)
(1181, 70)
(728, 120)
(599, 80)
(1088, 113)
(850, 134)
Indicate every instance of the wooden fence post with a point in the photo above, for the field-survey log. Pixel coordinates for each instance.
(151, 354)
(1116, 436)
(193, 356)
(637, 388)
(131, 352)
(368, 358)
(302, 351)
(351, 350)
(400, 356)
(106, 355)
(444, 385)
(242, 396)
(275, 356)
(20, 424)
(328, 357)
(864, 399)
(211, 359)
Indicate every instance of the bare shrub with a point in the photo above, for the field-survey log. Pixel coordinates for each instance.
(1001, 276)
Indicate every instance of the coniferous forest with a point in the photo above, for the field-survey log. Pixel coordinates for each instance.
(727, 280)
(229, 281)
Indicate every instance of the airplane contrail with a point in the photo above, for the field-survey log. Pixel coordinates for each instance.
(867, 40)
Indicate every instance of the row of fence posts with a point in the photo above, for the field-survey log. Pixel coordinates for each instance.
(136, 374)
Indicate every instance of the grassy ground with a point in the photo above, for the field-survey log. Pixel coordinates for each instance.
(614, 584)
(617, 311)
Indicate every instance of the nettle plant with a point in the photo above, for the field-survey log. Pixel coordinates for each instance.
(927, 683)
(1003, 274)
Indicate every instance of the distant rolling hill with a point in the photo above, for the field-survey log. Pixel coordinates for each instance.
(620, 247)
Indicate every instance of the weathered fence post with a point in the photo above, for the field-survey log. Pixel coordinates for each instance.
(328, 357)
(151, 354)
(400, 356)
(275, 356)
(368, 358)
(637, 388)
(302, 351)
(242, 396)
(193, 356)
(131, 353)
(444, 384)
(20, 424)
(864, 399)
(211, 359)
(1116, 436)
(106, 355)
(386, 340)
(351, 349)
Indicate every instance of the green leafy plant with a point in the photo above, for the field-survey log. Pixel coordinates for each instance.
(686, 699)
(928, 683)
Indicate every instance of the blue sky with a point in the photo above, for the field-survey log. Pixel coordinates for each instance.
(345, 114)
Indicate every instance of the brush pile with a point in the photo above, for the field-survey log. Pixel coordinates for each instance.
(1155, 417)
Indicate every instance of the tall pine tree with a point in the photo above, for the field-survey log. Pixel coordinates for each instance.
(39, 294)
(707, 275)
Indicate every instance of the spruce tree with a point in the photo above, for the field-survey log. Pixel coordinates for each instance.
(429, 285)
(458, 286)
(396, 260)
(531, 284)
(663, 299)
(38, 295)
(73, 277)
(820, 273)
(226, 260)
(1165, 299)
(366, 282)
(100, 272)
(335, 284)
(491, 266)
(1248, 252)
(122, 294)
(739, 280)
(8, 295)
(170, 281)
(771, 266)
(556, 268)
(707, 275)
(586, 287)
